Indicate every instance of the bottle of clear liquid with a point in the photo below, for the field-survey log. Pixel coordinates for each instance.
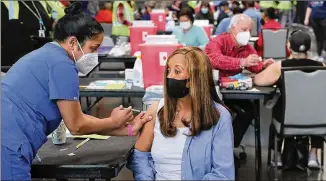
(138, 71)
(59, 134)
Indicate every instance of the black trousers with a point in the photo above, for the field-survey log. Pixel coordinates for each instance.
(319, 27)
(245, 114)
(315, 141)
(300, 11)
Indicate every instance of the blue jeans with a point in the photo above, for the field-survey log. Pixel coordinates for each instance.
(14, 166)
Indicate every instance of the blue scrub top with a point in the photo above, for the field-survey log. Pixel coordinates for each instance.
(196, 36)
(29, 93)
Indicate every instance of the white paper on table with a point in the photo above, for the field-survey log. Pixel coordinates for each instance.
(102, 84)
(254, 90)
(253, 39)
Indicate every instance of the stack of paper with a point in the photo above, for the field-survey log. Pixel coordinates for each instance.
(107, 84)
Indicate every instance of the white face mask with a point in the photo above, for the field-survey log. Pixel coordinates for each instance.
(243, 38)
(185, 25)
(204, 10)
(87, 62)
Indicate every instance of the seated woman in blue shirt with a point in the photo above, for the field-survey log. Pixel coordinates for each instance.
(188, 34)
(42, 88)
(190, 137)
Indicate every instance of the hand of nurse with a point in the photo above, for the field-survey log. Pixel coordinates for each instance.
(268, 62)
(121, 116)
(251, 60)
(139, 121)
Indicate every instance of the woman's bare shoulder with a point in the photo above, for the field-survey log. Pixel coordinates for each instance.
(145, 139)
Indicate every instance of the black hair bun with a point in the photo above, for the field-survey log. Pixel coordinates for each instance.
(74, 9)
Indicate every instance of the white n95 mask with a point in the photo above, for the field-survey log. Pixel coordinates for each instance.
(87, 62)
(185, 25)
(243, 38)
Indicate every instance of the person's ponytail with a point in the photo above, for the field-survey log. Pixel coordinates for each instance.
(78, 24)
(74, 9)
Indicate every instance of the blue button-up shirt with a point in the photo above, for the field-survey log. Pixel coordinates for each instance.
(254, 13)
(207, 156)
(223, 26)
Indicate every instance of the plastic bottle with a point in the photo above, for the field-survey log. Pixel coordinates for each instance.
(138, 71)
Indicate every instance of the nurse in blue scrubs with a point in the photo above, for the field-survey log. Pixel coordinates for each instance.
(42, 88)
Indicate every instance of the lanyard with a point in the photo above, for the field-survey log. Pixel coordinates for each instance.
(38, 15)
(11, 10)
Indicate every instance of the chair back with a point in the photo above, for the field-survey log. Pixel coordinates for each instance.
(252, 43)
(303, 93)
(274, 42)
(107, 29)
(254, 30)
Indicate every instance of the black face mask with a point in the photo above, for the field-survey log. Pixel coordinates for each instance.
(177, 88)
(262, 22)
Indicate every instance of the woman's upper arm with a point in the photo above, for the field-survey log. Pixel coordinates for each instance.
(145, 139)
(269, 76)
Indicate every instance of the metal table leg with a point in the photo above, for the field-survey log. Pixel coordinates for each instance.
(257, 140)
(88, 101)
(90, 106)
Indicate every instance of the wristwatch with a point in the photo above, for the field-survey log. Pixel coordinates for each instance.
(241, 66)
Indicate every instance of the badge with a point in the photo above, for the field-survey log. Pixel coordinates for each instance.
(41, 33)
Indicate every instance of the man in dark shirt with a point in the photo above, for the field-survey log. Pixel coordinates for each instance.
(316, 12)
(300, 43)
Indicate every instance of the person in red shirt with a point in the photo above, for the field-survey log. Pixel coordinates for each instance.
(104, 15)
(268, 22)
(65, 3)
(230, 53)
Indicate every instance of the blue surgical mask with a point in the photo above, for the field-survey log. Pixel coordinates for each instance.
(204, 10)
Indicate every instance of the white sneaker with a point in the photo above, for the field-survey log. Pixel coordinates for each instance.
(320, 59)
(313, 161)
(313, 164)
(279, 161)
(316, 57)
